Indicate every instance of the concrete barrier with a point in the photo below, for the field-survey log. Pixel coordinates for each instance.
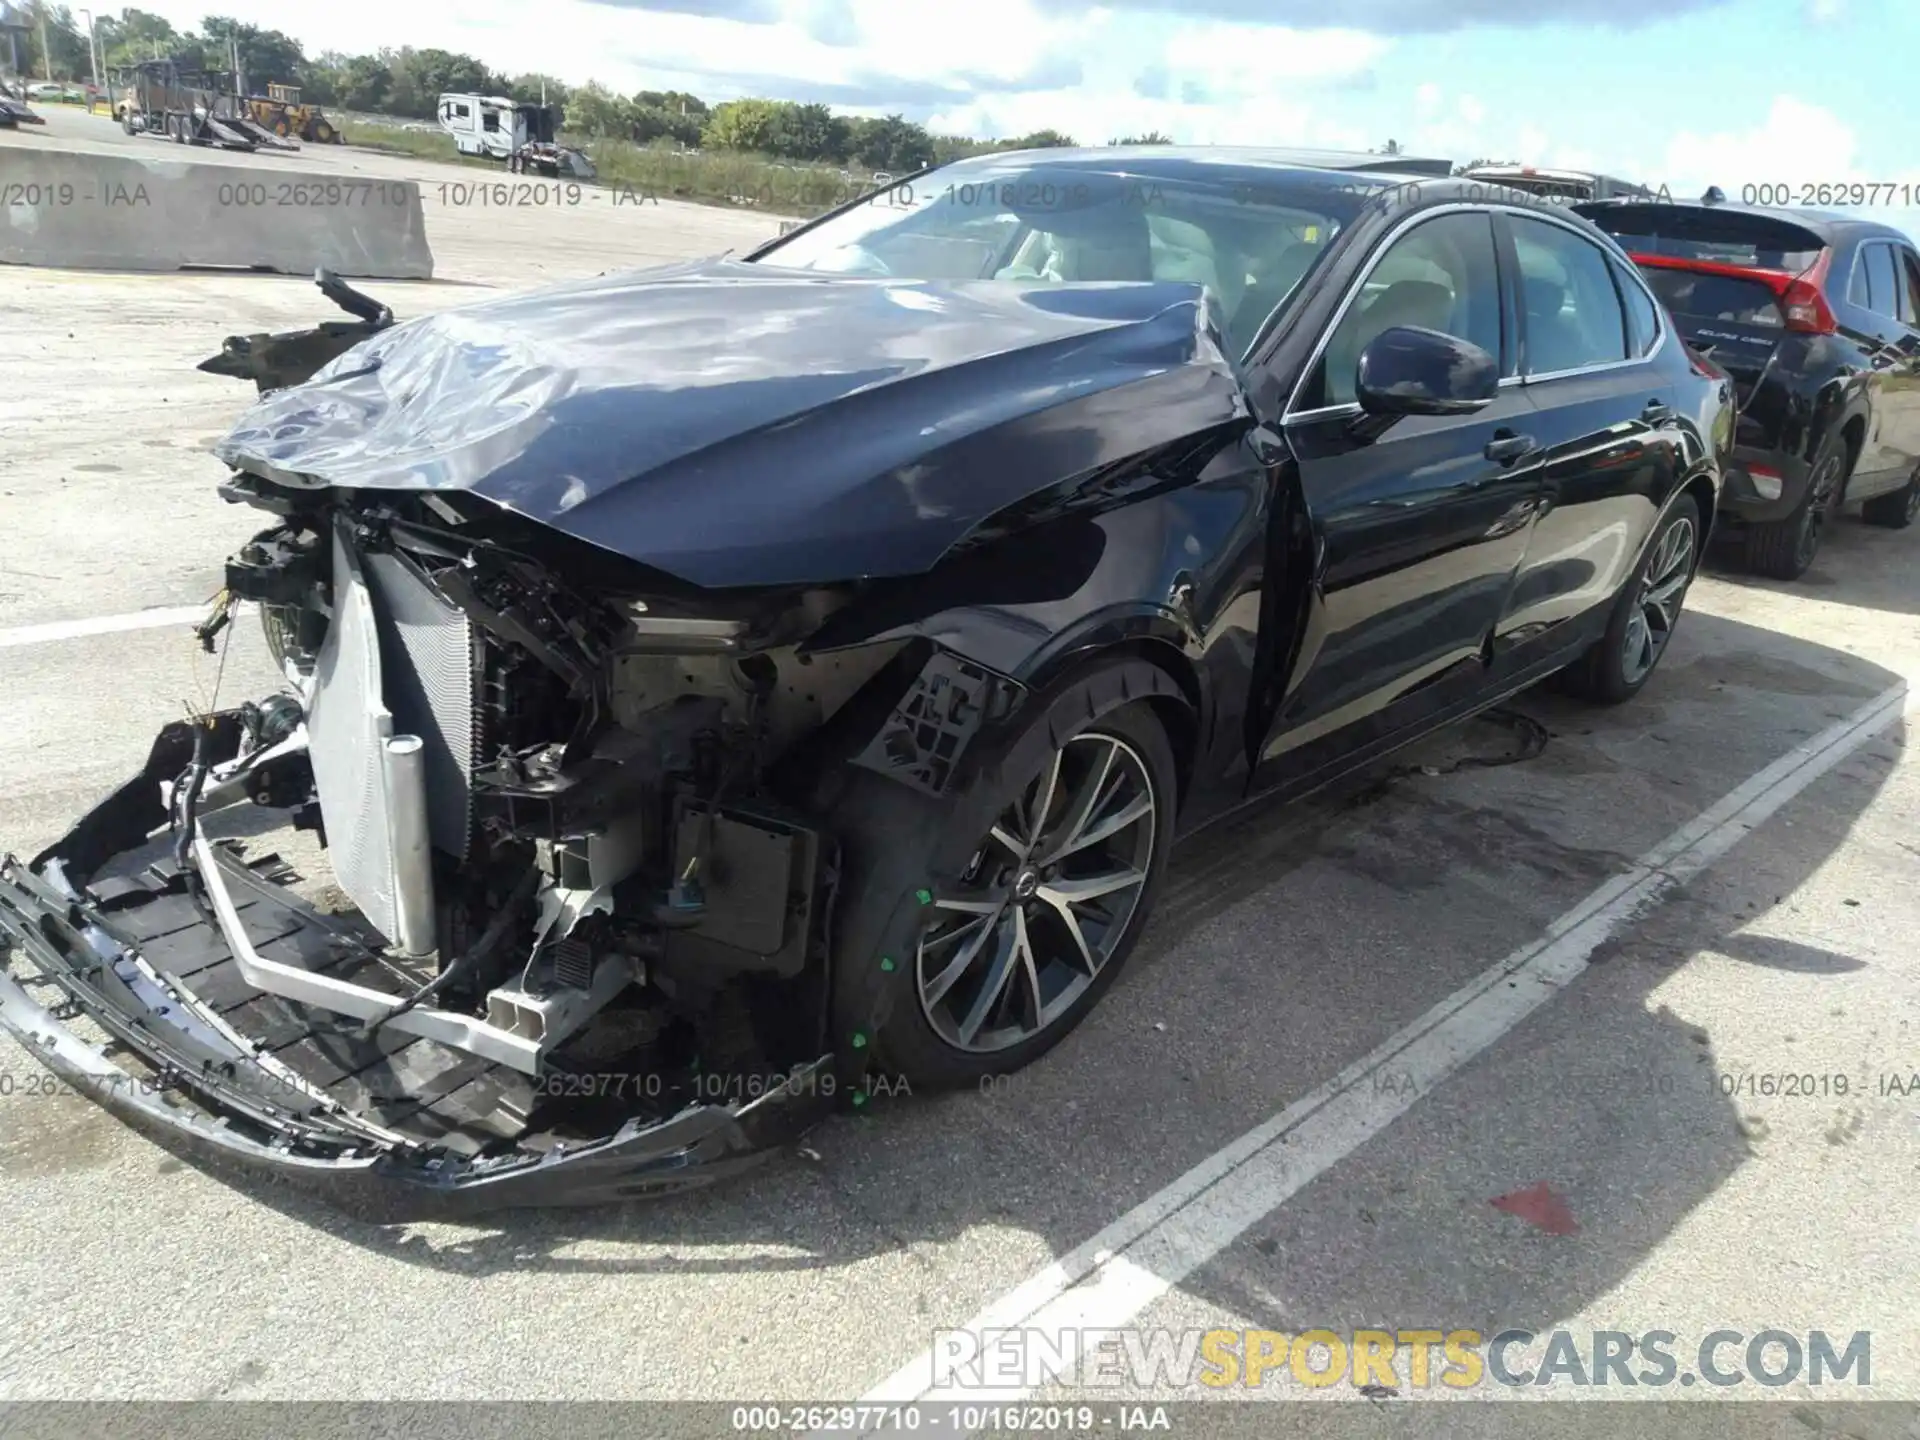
(107, 212)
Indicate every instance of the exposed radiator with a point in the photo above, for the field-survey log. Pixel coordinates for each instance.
(397, 661)
(427, 657)
(348, 725)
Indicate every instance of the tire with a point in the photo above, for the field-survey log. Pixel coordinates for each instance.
(1896, 511)
(1618, 664)
(324, 134)
(936, 907)
(1784, 549)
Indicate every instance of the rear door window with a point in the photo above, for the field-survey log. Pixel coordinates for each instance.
(1876, 261)
(1574, 320)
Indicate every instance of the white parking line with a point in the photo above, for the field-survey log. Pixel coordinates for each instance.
(101, 625)
(1146, 1252)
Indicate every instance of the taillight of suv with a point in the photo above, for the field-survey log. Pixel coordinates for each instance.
(1800, 297)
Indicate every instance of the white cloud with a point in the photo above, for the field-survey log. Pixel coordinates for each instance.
(1007, 67)
(1798, 147)
(1250, 60)
(1004, 39)
(912, 42)
(1797, 142)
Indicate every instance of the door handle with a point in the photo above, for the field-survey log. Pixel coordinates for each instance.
(1507, 447)
(1657, 412)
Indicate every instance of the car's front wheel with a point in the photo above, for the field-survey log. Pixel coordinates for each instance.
(1033, 884)
(1644, 616)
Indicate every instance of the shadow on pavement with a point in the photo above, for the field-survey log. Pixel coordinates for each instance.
(1094, 1128)
(1857, 564)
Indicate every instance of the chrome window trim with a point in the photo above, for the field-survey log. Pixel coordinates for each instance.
(1477, 207)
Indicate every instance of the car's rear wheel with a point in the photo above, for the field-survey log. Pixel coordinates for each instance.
(1784, 549)
(1644, 617)
(988, 924)
(1896, 511)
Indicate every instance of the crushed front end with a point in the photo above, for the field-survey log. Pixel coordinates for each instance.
(566, 940)
(627, 676)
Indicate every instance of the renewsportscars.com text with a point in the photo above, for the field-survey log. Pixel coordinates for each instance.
(1402, 1360)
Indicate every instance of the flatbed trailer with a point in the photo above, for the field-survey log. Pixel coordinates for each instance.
(190, 107)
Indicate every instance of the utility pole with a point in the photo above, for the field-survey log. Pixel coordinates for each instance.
(46, 55)
(93, 55)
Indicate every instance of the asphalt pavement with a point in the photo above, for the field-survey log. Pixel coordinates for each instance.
(1286, 991)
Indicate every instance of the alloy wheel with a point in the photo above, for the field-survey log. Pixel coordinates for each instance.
(1662, 588)
(1046, 901)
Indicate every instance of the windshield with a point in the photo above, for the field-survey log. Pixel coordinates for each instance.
(1723, 237)
(1248, 237)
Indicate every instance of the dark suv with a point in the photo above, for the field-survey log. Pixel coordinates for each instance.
(1817, 319)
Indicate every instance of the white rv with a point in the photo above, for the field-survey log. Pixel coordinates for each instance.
(497, 127)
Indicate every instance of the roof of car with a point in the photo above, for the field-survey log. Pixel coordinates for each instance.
(1393, 169)
(1545, 173)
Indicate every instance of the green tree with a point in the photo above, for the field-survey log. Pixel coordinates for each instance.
(365, 83)
(1152, 137)
(894, 144)
(809, 132)
(65, 57)
(265, 55)
(678, 102)
(418, 78)
(948, 148)
(648, 123)
(1038, 140)
(530, 89)
(742, 125)
(595, 110)
(321, 76)
(137, 35)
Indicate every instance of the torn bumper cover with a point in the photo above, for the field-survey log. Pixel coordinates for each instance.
(204, 1063)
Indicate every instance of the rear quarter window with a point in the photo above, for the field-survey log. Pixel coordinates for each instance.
(1643, 321)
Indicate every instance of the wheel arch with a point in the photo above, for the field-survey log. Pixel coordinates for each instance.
(1853, 434)
(1700, 486)
(1150, 639)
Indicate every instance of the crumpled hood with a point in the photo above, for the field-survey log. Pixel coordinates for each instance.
(738, 424)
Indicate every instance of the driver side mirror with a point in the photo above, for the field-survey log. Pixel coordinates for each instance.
(1410, 370)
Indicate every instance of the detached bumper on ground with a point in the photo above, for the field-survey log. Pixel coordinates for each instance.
(206, 1064)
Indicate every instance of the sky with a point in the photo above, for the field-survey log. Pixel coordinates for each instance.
(1681, 93)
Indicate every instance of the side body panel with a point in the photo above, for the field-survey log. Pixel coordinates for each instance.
(1868, 303)
(1322, 600)
(1417, 537)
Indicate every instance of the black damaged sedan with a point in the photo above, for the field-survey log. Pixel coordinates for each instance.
(725, 690)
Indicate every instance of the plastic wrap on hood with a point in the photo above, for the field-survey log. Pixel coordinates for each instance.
(737, 424)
